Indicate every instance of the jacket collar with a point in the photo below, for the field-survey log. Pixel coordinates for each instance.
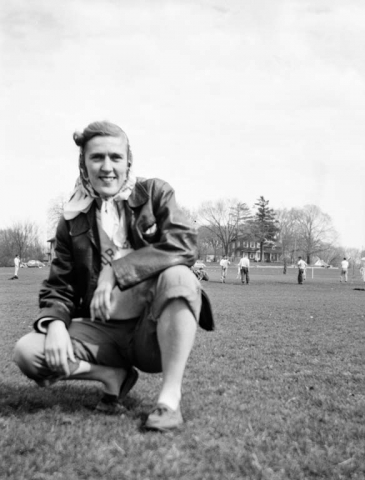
(139, 195)
(87, 221)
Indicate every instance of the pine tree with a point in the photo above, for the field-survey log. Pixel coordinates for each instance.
(264, 224)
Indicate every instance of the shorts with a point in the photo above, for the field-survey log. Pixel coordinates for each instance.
(120, 344)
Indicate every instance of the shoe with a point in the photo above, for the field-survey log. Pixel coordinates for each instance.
(163, 418)
(112, 403)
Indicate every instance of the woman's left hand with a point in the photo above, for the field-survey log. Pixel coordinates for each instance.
(101, 302)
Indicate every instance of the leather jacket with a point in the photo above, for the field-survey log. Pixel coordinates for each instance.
(158, 232)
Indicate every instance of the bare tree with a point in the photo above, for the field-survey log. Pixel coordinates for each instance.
(55, 211)
(287, 232)
(219, 217)
(333, 255)
(207, 241)
(190, 215)
(21, 238)
(316, 231)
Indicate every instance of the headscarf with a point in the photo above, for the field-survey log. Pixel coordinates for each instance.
(111, 211)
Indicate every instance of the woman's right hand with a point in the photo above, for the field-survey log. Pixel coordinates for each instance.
(58, 348)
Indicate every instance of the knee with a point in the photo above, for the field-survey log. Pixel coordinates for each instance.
(179, 275)
(177, 288)
(25, 354)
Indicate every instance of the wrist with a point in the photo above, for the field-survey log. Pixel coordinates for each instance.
(55, 324)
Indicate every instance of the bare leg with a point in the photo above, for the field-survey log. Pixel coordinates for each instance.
(176, 330)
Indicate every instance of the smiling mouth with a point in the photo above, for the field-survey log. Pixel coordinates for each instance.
(107, 179)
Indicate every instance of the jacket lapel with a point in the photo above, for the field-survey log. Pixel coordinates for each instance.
(85, 223)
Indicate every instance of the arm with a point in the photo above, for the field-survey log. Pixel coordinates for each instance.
(174, 244)
(56, 301)
(56, 297)
(58, 348)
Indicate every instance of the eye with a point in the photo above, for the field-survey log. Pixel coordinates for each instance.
(117, 157)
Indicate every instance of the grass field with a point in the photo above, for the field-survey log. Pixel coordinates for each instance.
(276, 392)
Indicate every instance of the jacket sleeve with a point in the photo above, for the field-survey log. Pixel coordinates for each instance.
(174, 244)
(56, 297)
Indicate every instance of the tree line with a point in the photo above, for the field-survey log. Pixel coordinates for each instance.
(22, 239)
(305, 231)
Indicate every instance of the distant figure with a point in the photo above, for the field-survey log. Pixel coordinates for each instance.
(344, 270)
(16, 268)
(224, 267)
(285, 266)
(362, 273)
(243, 269)
(362, 269)
(301, 270)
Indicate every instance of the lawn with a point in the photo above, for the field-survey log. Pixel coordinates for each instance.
(276, 392)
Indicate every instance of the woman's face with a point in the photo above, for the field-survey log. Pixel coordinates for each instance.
(106, 164)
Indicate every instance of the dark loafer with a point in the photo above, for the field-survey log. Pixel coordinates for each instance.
(163, 418)
(112, 403)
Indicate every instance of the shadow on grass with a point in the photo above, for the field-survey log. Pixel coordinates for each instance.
(66, 397)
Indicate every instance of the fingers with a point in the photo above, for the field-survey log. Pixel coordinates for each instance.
(57, 348)
(56, 359)
(100, 305)
(70, 352)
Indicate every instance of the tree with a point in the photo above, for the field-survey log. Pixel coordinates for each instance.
(219, 217)
(333, 255)
(207, 241)
(240, 215)
(316, 233)
(264, 224)
(287, 232)
(21, 238)
(55, 211)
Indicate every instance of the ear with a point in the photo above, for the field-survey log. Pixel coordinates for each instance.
(129, 156)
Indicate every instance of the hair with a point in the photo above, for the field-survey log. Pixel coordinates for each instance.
(299, 257)
(344, 258)
(98, 129)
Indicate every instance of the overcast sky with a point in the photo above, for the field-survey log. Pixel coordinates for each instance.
(223, 99)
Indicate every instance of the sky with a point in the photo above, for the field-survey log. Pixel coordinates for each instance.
(221, 98)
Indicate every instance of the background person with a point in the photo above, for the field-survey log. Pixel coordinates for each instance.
(120, 294)
(224, 268)
(301, 270)
(243, 269)
(362, 269)
(344, 270)
(16, 268)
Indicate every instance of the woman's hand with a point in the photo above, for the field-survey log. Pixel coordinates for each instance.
(101, 302)
(58, 348)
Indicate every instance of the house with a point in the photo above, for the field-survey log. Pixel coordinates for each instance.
(250, 246)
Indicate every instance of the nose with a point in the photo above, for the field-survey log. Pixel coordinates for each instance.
(107, 164)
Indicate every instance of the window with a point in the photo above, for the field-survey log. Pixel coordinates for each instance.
(233, 245)
(258, 244)
(252, 244)
(252, 255)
